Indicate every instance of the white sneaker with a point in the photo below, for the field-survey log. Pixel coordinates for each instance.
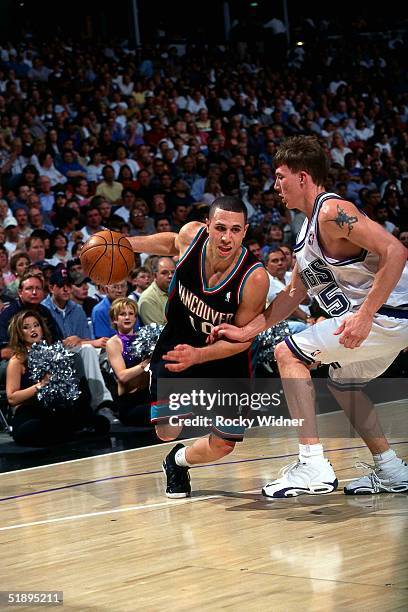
(378, 482)
(303, 478)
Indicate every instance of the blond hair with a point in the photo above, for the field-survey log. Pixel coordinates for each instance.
(118, 305)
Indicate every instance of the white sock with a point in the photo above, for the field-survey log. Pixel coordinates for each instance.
(387, 461)
(310, 453)
(180, 457)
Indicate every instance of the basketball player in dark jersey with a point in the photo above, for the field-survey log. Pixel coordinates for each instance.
(217, 280)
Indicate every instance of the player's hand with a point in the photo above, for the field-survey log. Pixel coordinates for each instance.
(184, 356)
(227, 332)
(354, 330)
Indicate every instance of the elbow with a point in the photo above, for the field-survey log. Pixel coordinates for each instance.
(397, 253)
(11, 401)
(403, 252)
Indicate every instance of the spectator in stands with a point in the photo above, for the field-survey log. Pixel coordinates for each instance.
(132, 379)
(105, 210)
(33, 423)
(58, 248)
(73, 323)
(94, 169)
(128, 199)
(273, 239)
(404, 238)
(19, 263)
(81, 190)
(35, 248)
(179, 217)
(109, 188)
(100, 314)
(381, 216)
(254, 247)
(12, 238)
(139, 224)
(30, 295)
(140, 279)
(162, 224)
(5, 272)
(152, 303)
(24, 228)
(93, 222)
(276, 265)
(48, 169)
(121, 159)
(70, 167)
(80, 290)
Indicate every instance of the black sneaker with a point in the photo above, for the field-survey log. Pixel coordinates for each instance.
(178, 478)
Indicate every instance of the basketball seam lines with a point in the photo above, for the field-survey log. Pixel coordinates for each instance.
(126, 264)
(106, 246)
(112, 254)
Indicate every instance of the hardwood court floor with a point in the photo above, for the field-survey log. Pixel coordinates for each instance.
(101, 531)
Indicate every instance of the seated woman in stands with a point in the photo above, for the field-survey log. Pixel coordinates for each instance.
(133, 396)
(34, 423)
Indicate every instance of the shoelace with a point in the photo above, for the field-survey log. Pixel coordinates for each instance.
(376, 480)
(288, 468)
(319, 488)
(178, 475)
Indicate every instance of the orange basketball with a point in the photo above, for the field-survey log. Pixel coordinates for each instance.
(107, 257)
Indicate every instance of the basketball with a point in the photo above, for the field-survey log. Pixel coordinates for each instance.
(107, 257)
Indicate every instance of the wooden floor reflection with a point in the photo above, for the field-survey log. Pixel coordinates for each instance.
(101, 531)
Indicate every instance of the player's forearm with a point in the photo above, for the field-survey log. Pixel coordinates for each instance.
(221, 350)
(280, 309)
(391, 266)
(157, 244)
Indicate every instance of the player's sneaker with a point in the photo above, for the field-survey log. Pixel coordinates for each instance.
(301, 478)
(178, 478)
(379, 482)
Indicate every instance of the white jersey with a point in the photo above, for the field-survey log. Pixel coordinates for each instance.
(340, 286)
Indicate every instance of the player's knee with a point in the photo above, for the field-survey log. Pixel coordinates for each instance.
(222, 447)
(283, 353)
(166, 432)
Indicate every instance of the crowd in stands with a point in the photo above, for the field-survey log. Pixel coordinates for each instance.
(94, 137)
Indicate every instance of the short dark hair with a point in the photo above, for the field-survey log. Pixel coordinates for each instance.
(28, 275)
(303, 153)
(141, 269)
(161, 217)
(230, 204)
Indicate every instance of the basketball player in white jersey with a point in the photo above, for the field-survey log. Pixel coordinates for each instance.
(357, 272)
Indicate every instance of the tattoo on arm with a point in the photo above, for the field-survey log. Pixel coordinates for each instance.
(342, 219)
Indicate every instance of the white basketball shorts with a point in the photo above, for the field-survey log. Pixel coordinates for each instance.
(317, 343)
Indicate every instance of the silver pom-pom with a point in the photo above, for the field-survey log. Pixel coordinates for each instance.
(269, 338)
(146, 339)
(58, 362)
